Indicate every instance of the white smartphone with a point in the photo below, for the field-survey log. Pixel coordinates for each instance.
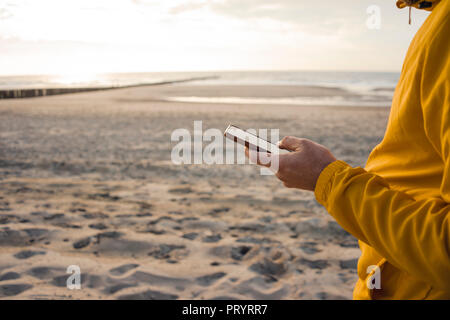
(251, 141)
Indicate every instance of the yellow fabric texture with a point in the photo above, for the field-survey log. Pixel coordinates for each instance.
(399, 205)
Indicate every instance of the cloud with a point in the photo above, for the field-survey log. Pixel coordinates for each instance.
(5, 14)
(174, 35)
(287, 10)
(188, 6)
(320, 18)
(6, 10)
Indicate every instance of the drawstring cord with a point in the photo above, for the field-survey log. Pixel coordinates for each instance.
(409, 15)
(419, 4)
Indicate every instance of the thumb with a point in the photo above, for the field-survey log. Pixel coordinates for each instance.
(290, 143)
(261, 158)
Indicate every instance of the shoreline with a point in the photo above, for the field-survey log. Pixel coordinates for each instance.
(259, 95)
(181, 91)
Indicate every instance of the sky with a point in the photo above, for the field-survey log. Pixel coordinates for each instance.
(98, 36)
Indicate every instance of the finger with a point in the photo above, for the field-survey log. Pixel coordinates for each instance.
(261, 158)
(287, 185)
(290, 143)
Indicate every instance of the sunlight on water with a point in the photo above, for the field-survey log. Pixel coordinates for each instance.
(75, 79)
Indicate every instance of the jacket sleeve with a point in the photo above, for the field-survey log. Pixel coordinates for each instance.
(412, 235)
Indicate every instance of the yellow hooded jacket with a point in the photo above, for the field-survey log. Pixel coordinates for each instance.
(399, 205)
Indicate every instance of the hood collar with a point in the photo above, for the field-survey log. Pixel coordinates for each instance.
(419, 4)
(428, 5)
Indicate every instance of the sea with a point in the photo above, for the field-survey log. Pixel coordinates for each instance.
(365, 88)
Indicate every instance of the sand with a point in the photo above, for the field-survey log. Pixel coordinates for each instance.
(86, 179)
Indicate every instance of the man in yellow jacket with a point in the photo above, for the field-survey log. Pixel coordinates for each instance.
(399, 205)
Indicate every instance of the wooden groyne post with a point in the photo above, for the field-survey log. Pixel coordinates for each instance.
(31, 93)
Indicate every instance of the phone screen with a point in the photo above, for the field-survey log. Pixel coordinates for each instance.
(250, 140)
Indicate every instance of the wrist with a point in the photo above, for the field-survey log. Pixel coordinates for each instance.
(324, 181)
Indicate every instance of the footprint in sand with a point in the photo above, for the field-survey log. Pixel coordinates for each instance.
(153, 230)
(9, 290)
(256, 240)
(28, 254)
(345, 277)
(217, 211)
(212, 238)
(309, 247)
(109, 235)
(95, 281)
(118, 271)
(149, 295)
(9, 218)
(95, 215)
(315, 264)
(80, 244)
(210, 278)
(117, 287)
(353, 243)
(348, 264)
(144, 214)
(237, 253)
(179, 213)
(190, 236)
(181, 190)
(24, 237)
(74, 210)
(269, 268)
(164, 250)
(327, 296)
(158, 220)
(261, 282)
(98, 226)
(36, 232)
(9, 276)
(39, 213)
(157, 280)
(10, 237)
(44, 272)
(54, 216)
(66, 225)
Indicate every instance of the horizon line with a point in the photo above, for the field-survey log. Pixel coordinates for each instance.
(200, 71)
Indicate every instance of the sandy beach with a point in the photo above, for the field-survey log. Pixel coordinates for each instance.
(86, 179)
